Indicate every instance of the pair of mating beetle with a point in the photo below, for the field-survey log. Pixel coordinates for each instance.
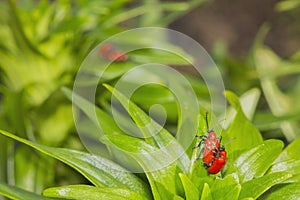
(214, 154)
(111, 53)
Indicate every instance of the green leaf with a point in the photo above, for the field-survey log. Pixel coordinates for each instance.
(248, 102)
(191, 191)
(280, 103)
(289, 159)
(286, 191)
(206, 194)
(255, 162)
(86, 192)
(152, 129)
(290, 152)
(256, 187)
(159, 56)
(99, 171)
(243, 132)
(227, 188)
(106, 123)
(16, 193)
(102, 122)
(162, 181)
(287, 5)
(36, 173)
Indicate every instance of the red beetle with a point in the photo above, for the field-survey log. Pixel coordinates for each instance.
(214, 155)
(109, 52)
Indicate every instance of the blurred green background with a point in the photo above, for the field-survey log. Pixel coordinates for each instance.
(42, 44)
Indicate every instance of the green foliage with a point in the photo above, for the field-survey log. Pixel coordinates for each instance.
(41, 47)
(250, 173)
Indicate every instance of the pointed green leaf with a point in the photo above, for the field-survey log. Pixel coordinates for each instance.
(86, 192)
(206, 194)
(242, 130)
(258, 186)
(176, 197)
(99, 171)
(16, 193)
(248, 101)
(191, 191)
(152, 129)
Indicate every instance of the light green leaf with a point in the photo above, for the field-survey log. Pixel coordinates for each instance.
(191, 191)
(287, 5)
(290, 152)
(248, 102)
(285, 191)
(266, 62)
(256, 187)
(54, 125)
(16, 193)
(243, 132)
(289, 159)
(99, 171)
(206, 194)
(86, 192)
(255, 162)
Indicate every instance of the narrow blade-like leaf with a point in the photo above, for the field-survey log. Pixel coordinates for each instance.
(99, 171)
(86, 192)
(16, 193)
(191, 191)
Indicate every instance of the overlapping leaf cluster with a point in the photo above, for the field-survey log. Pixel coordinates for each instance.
(256, 168)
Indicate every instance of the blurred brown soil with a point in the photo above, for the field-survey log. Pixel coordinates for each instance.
(236, 22)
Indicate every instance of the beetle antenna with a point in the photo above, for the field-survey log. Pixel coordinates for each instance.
(206, 118)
